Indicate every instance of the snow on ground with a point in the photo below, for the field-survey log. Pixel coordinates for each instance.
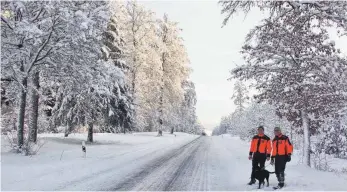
(142, 161)
(60, 160)
(337, 164)
(298, 177)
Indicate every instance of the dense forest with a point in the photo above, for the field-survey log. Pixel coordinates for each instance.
(93, 66)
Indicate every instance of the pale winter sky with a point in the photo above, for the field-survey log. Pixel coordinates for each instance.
(213, 51)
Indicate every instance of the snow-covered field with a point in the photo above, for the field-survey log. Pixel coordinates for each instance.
(60, 164)
(141, 161)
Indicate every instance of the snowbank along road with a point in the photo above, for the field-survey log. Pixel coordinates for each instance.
(182, 163)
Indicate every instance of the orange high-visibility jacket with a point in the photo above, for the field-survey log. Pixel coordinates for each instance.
(281, 146)
(260, 144)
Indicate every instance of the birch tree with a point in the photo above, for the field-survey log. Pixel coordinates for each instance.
(142, 45)
(174, 68)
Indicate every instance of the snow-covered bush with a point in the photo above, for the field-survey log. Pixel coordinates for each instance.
(320, 161)
(333, 138)
(29, 148)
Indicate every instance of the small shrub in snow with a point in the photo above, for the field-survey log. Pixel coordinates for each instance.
(28, 149)
(320, 162)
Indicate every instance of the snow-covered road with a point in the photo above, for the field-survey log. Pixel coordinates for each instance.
(206, 163)
(219, 164)
(173, 163)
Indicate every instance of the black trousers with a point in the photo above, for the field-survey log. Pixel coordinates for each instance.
(258, 161)
(280, 166)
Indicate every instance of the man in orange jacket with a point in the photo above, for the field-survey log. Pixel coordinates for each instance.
(259, 152)
(282, 150)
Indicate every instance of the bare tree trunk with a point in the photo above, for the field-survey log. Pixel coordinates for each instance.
(337, 126)
(21, 115)
(172, 130)
(161, 99)
(14, 125)
(163, 63)
(307, 141)
(291, 132)
(90, 132)
(34, 108)
(161, 105)
(68, 128)
(66, 134)
(123, 126)
(161, 112)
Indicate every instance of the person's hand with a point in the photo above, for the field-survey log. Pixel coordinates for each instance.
(289, 158)
(268, 159)
(272, 162)
(250, 157)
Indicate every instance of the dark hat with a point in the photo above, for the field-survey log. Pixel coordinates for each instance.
(277, 129)
(261, 127)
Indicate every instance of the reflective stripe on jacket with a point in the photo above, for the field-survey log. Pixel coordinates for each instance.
(260, 144)
(281, 146)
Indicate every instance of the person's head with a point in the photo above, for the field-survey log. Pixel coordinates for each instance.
(277, 131)
(260, 130)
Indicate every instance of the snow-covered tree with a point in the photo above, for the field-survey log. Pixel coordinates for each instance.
(225, 125)
(60, 45)
(296, 66)
(325, 13)
(76, 64)
(157, 61)
(244, 123)
(240, 95)
(334, 137)
(31, 34)
(88, 86)
(174, 68)
(187, 110)
(119, 112)
(142, 44)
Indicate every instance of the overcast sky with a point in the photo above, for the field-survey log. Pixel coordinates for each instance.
(213, 51)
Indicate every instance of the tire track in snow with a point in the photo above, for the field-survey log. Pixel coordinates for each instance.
(160, 173)
(185, 169)
(195, 176)
(182, 169)
(115, 169)
(84, 179)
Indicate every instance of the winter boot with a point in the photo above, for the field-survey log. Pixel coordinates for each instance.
(280, 178)
(281, 181)
(279, 186)
(252, 181)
